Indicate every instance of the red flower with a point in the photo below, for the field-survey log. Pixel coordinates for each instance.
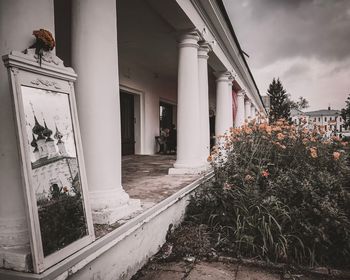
(265, 173)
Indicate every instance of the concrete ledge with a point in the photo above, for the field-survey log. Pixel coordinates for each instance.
(119, 254)
(178, 169)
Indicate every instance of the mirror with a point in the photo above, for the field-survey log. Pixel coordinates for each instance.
(52, 162)
(55, 168)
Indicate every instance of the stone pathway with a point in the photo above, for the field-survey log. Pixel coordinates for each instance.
(210, 271)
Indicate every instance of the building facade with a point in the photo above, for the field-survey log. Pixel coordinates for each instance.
(329, 120)
(132, 58)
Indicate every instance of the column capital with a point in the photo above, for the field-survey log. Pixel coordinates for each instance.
(204, 49)
(222, 76)
(247, 101)
(230, 80)
(241, 93)
(189, 39)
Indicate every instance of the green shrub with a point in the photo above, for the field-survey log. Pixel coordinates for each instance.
(62, 219)
(278, 194)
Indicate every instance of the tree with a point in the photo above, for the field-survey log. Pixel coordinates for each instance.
(345, 113)
(301, 104)
(279, 102)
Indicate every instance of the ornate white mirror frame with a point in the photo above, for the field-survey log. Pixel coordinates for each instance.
(49, 77)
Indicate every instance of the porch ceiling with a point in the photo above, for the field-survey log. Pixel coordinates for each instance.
(145, 38)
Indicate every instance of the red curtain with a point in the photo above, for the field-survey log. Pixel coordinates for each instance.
(234, 104)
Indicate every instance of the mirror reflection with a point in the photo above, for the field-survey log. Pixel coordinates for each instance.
(55, 168)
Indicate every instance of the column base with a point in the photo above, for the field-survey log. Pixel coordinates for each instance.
(109, 206)
(18, 259)
(14, 244)
(186, 169)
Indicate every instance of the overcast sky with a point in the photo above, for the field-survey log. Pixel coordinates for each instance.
(306, 43)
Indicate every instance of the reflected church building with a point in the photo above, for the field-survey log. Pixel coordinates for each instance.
(52, 165)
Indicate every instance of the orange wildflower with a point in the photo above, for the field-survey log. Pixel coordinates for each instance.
(268, 129)
(262, 126)
(248, 130)
(277, 128)
(336, 155)
(313, 152)
(280, 136)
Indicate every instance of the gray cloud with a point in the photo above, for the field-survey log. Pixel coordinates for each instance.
(296, 69)
(305, 42)
(290, 28)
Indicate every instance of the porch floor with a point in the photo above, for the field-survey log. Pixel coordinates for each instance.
(145, 177)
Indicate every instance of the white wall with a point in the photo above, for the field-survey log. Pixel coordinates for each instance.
(153, 88)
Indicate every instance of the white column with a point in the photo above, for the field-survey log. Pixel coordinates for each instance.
(247, 110)
(204, 100)
(230, 83)
(253, 112)
(18, 19)
(188, 159)
(240, 109)
(95, 59)
(223, 117)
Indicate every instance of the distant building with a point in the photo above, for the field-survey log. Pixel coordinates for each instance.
(298, 116)
(328, 119)
(266, 101)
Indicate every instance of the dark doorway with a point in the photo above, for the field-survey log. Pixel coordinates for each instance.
(212, 129)
(127, 123)
(165, 115)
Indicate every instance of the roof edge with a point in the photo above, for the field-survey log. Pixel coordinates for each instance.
(229, 24)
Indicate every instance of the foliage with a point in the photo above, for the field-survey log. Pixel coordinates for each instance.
(301, 104)
(345, 113)
(62, 218)
(279, 102)
(279, 194)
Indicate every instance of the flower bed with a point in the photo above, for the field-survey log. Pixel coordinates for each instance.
(279, 194)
